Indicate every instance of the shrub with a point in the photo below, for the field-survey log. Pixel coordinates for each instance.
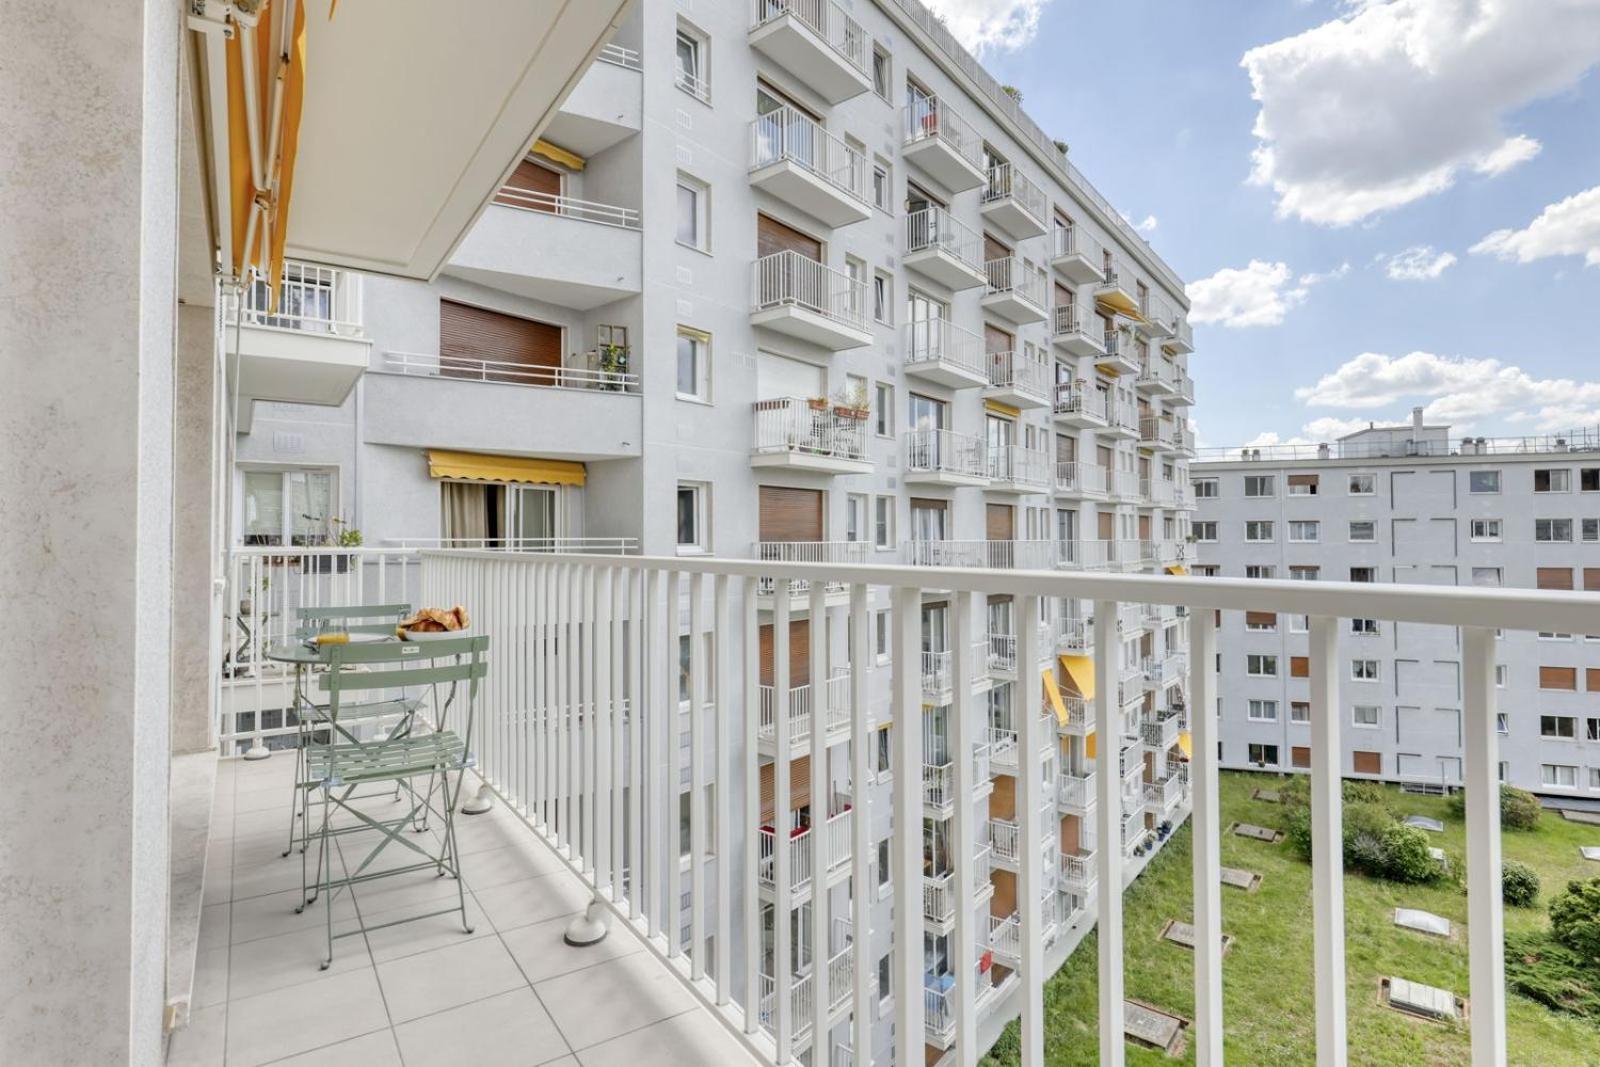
(1575, 919)
(1405, 855)
(1542, 968)
(1519, 884)
(1297, 829)
(1519, 809)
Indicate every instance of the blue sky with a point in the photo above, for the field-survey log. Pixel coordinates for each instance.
(1393, 128)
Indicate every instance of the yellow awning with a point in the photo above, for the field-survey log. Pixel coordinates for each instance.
(556, 154)
(1089, 746)
(1119, 301)
(1052, 692)
(480, 467)
(1080, 672)
(1186, 742)
(1002, 409)
(1178, 569)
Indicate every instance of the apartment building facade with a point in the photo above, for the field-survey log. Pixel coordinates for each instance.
(1409, 504)
(802, 284)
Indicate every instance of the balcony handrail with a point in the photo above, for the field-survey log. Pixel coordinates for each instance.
(311, 299)
(928, 340)
(617, 55)
(507, 372)
(1036, 554)
(567, 207)
(1026, 371)
(1017, 276)
(584, 545)
(789, 279)
(934, 227)
(1006, 180)
(799, 425)
(1079, 398)
(1074, 240)
(827, 20)
(1019, 464)
(1068, 319)
(695, 85)
(928, 116)
(945, 451)
(787, 134)
(1076, 475)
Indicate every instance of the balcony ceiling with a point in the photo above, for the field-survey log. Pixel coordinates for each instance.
(415, 112)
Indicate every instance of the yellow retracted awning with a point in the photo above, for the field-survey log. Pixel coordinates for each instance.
(557, 154)
(1052, 693)
(1186, 742)
(1002, 409)
(481, 467)
(1089, 746)
(1178, 569)
(1080, 672)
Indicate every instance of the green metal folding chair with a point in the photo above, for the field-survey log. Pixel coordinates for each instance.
(452, 664)
(363, 619)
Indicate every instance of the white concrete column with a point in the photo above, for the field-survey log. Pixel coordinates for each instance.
(1108, 828)
(1030, 829)
(965, 718)
(88, 191)
(1327, 844)
(196, 600)
(907, 848)
(1485, 917)
(1205, 819)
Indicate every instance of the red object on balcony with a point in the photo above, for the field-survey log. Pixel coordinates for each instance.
(986, 962)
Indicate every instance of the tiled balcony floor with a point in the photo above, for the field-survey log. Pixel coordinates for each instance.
(423, 993)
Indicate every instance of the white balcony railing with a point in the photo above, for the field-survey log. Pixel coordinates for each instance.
(807, 552)
(1007, 182)
(1076, 791)
(592, 370)
(310, 299)
(1085, 478)
(1074, 241)
(934, 227)
(1028, 468)
(619, 56)
(945, 452)
(1018, 277)
(1026, 372)
(786, 135)
(942, 341)
(1009, 555)
(616, 630)
(802, 703)
(810, 427)
(938, 784)
(1074, 398)
(568, 207)
(827, 20)
(928, 117)
(1004, 836)
(789, 279)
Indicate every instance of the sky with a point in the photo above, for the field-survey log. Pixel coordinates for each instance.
(1374, 204)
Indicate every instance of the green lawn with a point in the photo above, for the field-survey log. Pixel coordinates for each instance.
(1269, 1015)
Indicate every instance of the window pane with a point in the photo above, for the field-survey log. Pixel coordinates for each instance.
(686, 517)
(688, 216)
(263, 508)
(688, 367)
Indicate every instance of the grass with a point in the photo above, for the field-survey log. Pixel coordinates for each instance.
(1268, 1010)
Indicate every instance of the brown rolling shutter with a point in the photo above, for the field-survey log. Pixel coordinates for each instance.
(1065, 297)
(1366, 762)
(468, 334)
(999, 522)
(1066, 449)
(922, 503)
(530, 177)
(799, 654)
(1299, 666)
(1299, 756)
(1591, 579)
(993, 249)
(773, 236)
(1303, 479)
(790, 514)
(1591, 679)
(1144, 527)
(996, 339)
(1558, 678)
(1554, 578)
(799, 788)
(1003, 801)
(1071, 834)
(1261, 618)
(1105, 530)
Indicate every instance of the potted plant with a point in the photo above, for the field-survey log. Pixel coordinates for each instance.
(614, 365)
(851, 403)
(348, 536)
(247, 604)
(817, 403)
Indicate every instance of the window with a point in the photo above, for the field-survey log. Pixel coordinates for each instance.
(1259, 485)
(1502, 722)
(1483, 481)
(1366, 715)
(694, 366)
(1558, 775)
(1258, 570)
(1304, 574)
(1500, 675)
(1591, 529)
(885, 976)
(1554, 530)
(1302, 485)
(1489, 576)
(1561, 727)
(1263, 711)
(1257, 530)
(1363, 530)
(1589, 479)
(693, 199)
(1364, 627)
(1363, 485)
(883, 761)
(882, 187)
(855, 517)
(880, 635)
(1205, 531)
(1363, 574)
(885, 867)
(1299, 711)
(1204, 488)
(883, 409)
(1299, 624)
(881, 72)
(692, 75)
(1261, 665)
(883, 298)
(692, 533)
(1364, 670)
(1304, 532)
(1263, 755)
(1552, 480)
(289, 507)
(883, 522)
(1485, 530)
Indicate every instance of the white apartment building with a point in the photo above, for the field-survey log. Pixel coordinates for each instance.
(1409, 504)
(798, 283)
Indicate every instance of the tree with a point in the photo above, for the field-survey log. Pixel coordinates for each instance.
(1519, 884)
(1575, 919)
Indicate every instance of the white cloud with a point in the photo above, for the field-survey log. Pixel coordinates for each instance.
(988, 25)
(1417, 264)
(1329, 428)
(1568, 228)
(1454, 389)
(1147, 226)
(1387, 103)
(1259, 294)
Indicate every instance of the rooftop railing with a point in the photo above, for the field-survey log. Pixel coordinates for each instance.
(1398, 444)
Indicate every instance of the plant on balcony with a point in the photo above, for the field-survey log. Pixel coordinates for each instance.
(851, 403)
(1013, 92)
(613, 365)
(817, 403)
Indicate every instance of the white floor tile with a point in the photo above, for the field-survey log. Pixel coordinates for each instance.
(433, 981)
(376, 1049)
(304, 1017)
(511, 1029)
(542, 953)
(534, 900)
(612, 998)
(200, 1044)
(692, 1039)
(292, 959)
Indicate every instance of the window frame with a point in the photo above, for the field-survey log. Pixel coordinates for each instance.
(700, 356)
(701, 191)
(1371, 483)
(701, 544)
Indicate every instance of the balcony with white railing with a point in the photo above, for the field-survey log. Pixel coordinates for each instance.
(945, 457)
(943, 144)
(938, 788)
(942, 352)
(810, 434)
(944, 249)
(1078, 479)
(1076, 255)
(802, 706)
(1182, 390)
(1160, 730)
(1015, 290)
(939, 1010)
(1014, 202)
(835, 838)
(1075, 793)
(1073, 632)
(1124, 485)
(1122, 420)
(1003, 554)
(1163, 796)
(1117, 288)
(1015, 469)
(1020, 378)
(1005, 938)
(1080, 716)
(817, 42)
(1158, 492)
(309, 347)
(1156, 434)
(796, 160)
(1076, 332)
(1005, 837)
(1182, 340)
(1085, 554)
(809, 301)
(1080, 404)
(1078, 872)
(801, 997)
(1163, 670)
(806, 552)
(1183, 442)
(939, 898)
(1158, 377)
(605, 107)
(561, 250)
(1121, 356)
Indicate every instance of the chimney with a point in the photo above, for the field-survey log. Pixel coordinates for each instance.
(1416, 423)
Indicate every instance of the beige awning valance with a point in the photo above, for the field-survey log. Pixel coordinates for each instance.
(482, 467)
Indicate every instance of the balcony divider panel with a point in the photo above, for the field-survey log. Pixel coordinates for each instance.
(906, 628)
(816, 623)
(860, 730)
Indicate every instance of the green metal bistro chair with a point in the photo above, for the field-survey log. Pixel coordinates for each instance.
(373, 619)
(452, 664)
